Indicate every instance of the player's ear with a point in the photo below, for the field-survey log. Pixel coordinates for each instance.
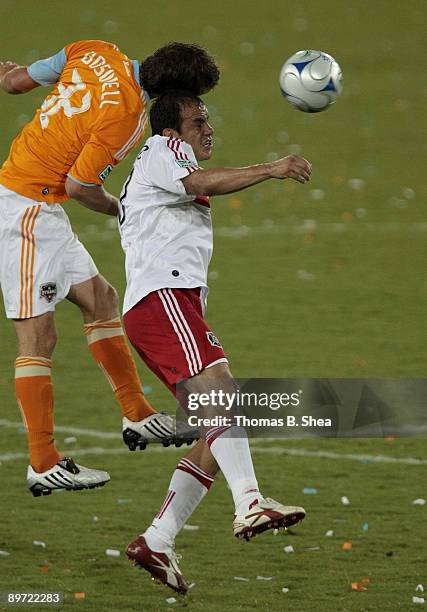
(170, 133)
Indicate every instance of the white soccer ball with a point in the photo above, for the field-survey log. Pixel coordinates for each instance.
(311, 81)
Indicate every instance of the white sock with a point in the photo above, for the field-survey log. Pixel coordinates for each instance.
(188, 486)
(230, 447)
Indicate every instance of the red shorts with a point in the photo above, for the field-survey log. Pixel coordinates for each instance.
(168, 331)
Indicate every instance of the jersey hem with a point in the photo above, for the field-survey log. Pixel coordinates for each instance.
(128, 306)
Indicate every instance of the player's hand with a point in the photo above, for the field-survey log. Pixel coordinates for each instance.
(6, 67)
(292, 166)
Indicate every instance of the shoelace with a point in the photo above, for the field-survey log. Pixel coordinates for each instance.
(175, 557)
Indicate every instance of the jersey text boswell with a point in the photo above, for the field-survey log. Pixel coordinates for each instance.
(110, 84)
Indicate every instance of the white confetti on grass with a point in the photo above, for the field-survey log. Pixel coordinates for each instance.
(408, 193)
(419, 502)
(419, 588)
(317, 194)
(4, 553)
(39, 543)
(191, 527)
(300, 24)
(110, 27)
(70, 440)
(305, 276)
(247, 48)
(241, 579)
(285, 590)
(418, 600)
(356, 184)
(329, 533)
(264, 578)
(294, 149)
(112, 552)
(289, 549)
(171, 600)
(345, 501)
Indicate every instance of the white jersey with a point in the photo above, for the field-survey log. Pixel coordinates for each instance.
(166, 234)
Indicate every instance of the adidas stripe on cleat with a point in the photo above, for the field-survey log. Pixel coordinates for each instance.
(162, 566)
(266, 514)
(65, 475)
(159, 428)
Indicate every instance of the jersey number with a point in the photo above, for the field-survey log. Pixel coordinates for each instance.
(53, 104)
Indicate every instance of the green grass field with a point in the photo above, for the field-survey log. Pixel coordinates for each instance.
(323, 280)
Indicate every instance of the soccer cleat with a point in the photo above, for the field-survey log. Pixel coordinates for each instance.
(160, 428)
(263, 515)
(65, 475)
(163, 567)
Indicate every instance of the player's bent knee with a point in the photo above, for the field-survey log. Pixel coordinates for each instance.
(106, 300)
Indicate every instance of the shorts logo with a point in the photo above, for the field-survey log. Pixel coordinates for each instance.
(213, 339)
(103, 175)
(48, 291)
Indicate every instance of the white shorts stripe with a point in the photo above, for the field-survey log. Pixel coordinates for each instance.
(174, 310)
(190, 333)
(171, 319)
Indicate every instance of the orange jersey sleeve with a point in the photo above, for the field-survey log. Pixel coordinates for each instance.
(94, 116)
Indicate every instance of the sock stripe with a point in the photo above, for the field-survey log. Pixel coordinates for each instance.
(214, 433)
(196, 468)
(116, 322)
(32, 366)
(205, 479)
(169, 498)
(22, 361)
(101, 330)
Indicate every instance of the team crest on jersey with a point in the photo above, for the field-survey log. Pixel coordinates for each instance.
(184, 163)
(48, 291)
(213, 339)
(103, 175)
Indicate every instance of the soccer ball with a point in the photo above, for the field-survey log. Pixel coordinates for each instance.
(311, 81)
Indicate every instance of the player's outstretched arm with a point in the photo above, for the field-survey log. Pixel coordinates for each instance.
(14, 79)
(219, 181)
(95, 198)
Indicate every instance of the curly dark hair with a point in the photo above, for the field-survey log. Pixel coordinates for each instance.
(178, 66)
(165, 112)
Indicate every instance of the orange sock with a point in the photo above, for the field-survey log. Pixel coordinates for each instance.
(109, 348)
(34, 392)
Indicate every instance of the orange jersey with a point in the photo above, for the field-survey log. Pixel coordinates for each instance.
(95, 115)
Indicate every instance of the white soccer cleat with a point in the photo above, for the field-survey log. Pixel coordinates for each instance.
(163, 567)
(65, 475)
(159, 428)
(263, 515)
